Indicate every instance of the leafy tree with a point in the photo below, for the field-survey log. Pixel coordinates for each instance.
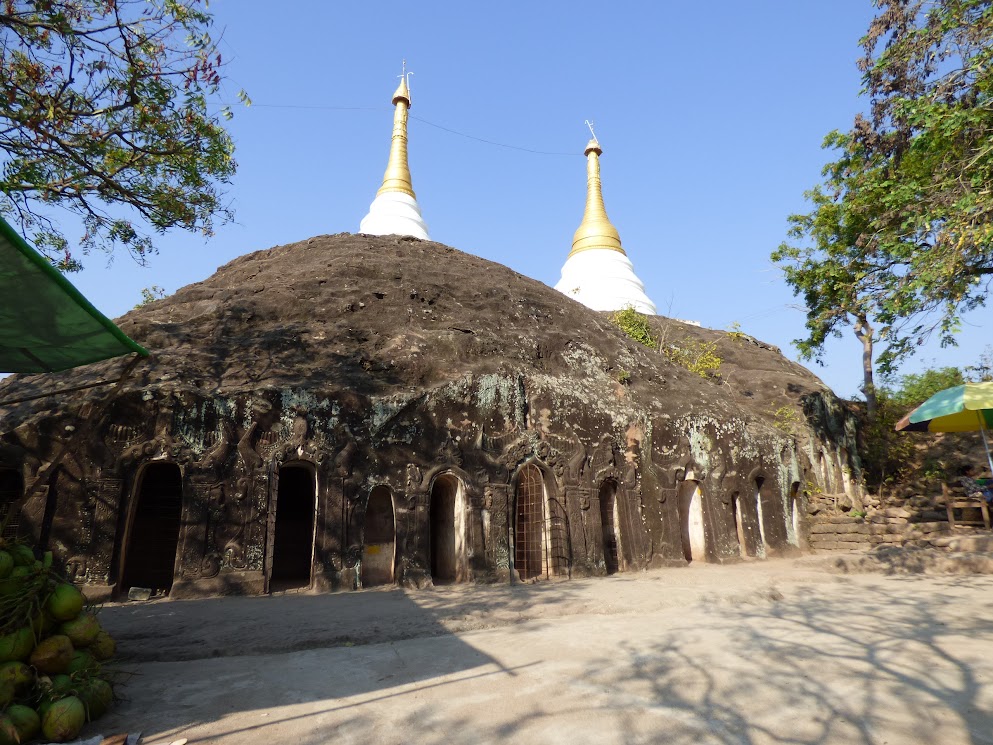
(982, 371)
(841, 285)
(900, 238)
(889, 455)
(928, 71)
(103, 112)
(915, 389)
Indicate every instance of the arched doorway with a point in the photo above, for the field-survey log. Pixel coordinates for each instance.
(293, 528)
(608, 525)
(739, 526)
(846, 472)
(447, 529)
(379, 547)
(826, 480)
(793, 532)
(11, 491)
(760, 515)
(691, 520)
(157, 507)
(529, 524)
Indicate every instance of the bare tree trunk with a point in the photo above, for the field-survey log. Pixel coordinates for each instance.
(863, 331)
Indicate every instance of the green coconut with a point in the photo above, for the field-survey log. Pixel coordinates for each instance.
(26, 720)
(44, 705)
(6, 564)
(81, 660)
(22, 554)
(97, 696)
(17, 645)
(42, 623)
(59, 685)
(64, 719)
(52, 655)
(21, 571)
(81, 630)
(103, 646)
(64, 603)
(7, 692)
(18, 672)
(9, 734)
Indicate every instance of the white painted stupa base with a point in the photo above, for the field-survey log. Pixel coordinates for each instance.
(603, 279)
(394, 213)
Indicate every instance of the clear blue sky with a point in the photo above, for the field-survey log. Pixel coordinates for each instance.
(711, 117)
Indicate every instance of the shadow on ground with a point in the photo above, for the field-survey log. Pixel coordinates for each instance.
(801, 669)
(170, 631)
(895, 660)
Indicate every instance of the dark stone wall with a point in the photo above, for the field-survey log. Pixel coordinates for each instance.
(84, 479)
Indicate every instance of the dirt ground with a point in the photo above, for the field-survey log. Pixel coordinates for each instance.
(781, 651)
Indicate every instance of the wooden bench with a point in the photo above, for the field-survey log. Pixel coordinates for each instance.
(956, 500)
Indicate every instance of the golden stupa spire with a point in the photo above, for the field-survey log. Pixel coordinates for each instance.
(397, 176)
(596, 230)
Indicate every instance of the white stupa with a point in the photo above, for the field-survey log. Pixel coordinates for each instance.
(598, 273)
(394, 211)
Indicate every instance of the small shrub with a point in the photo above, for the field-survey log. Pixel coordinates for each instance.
(737, 335)
(636, 326)
(623, 377)
(933, 470)
(856, 513)
(699, 357)
(785, 419)
(150, 295)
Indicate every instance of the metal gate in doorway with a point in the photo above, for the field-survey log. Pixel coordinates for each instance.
(529, 525)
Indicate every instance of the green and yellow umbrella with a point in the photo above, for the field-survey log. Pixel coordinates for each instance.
(963, 408)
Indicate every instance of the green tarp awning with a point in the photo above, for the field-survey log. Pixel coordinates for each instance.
(45, 323)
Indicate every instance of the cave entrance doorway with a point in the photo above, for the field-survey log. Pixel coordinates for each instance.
(149, 558)
(846, 471)
(826, 474)
(529, 524)
(292, 528)
(760, 549)
(691, 520)
(608, 525)
(11, 491)
(739, 526)
(379, 546)
(447, 530)
(794, 517)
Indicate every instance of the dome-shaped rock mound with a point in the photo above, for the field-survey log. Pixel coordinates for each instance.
(354, 410)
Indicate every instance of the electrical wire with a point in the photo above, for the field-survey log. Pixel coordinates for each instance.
(412, 116)
(488, 142)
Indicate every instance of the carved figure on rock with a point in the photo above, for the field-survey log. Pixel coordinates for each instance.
(413, 478)
(576, 465)
(300, 430)
(210, 566)
(449, 452)
(343, 460)
(250, 459)
(216, 455)
(603, 457)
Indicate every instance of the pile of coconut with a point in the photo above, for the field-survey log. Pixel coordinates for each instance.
(51, 649)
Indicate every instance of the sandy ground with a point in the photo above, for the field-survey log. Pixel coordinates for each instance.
(765, 652)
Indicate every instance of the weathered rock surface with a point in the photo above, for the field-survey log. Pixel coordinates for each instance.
(449, 383)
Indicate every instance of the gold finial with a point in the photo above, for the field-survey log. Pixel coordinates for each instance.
(402, 93)
(596, 230)
(397, 176)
